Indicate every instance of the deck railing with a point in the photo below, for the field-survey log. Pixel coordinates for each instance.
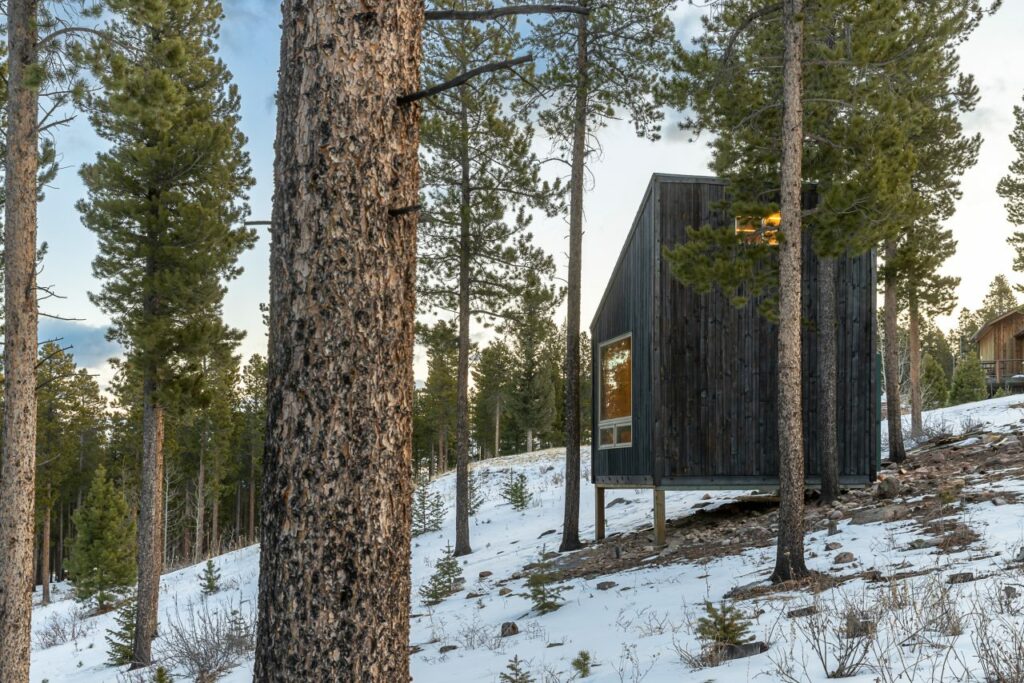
(1002, 370)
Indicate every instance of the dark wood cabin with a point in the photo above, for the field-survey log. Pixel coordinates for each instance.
(685, 383)
(1001, 350)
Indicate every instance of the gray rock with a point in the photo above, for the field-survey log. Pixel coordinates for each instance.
(844, 558)
(617, 501)
(833, 546)
(801, 612)
(888, 488)
(448, 648)
(509, 628)
(962, 577)
(886, 513)
(606, 585)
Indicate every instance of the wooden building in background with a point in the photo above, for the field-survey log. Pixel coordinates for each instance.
(684, 383)
(1001, 350)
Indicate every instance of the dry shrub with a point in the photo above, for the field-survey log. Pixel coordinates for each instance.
(64, 628)
(206, 643)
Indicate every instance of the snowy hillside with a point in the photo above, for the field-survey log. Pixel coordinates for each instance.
(918, 595)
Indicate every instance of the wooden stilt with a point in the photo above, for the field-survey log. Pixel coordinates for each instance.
(659, 517)
(598, 513)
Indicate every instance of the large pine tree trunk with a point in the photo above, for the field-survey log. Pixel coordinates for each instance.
(789, 562)
(828, 371)
(17, 476)
(462, 546)
(893, 407)
(151, 524)
(337, 481)
(571, 519)
(916, 399)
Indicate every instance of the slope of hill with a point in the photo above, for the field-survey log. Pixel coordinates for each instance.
(921, 577)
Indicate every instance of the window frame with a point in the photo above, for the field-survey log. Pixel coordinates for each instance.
(617, 423)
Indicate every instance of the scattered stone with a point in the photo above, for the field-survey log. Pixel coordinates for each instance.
(835, 515)
(724, 652)
(888, 488)
(887, 513)
(548, 533)
(998, 501)
(617, 501)
(485, 574)
(801, 612)
(962, 577)
(606, 585)
(509, 628)
(698, 506)
(448, 648)
(833, 546)
(550, 645)
(504, 590)
(844, 558)
(474, 596)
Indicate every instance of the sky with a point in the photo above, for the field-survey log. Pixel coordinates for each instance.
(249, 44)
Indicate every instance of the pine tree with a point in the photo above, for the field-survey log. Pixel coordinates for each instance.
(102, 562)
(725, 625)
(999, 300)
(492, 379)
(515, 673)
(209, 580)
(477, 170)
(121, 638)
(1011, 189)
(428, 508)
(545, 592)
(167, 203)
(969, 381)
(531, 328)
(445, 581)
(934, 384)
(476, 493)
(597, 66)
(252, 408)
(515, 491)
(441, 388)
(342, 298)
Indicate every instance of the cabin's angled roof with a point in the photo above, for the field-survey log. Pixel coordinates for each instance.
(655, 178)
(983, 330)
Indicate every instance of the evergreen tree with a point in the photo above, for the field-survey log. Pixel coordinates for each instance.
(515, 491)
(515, 673)
(545, 592)
(598, 66)
(427, 508)
(167, 203)
(209, 580)
(999, 300)
(441, 389)
(1011, 189)
(967, 325)
(969, 381)
(252, 412)
(120, 639)
(492, 379)
(103, 559)
(445, 581)
(724, 625)
(934, 384)
(530, 328)
(477, 170)
(476, 493)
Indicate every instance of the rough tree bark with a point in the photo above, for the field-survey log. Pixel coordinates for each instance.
(571, 520)
(17, 476)
(337, 480)
(893, 407)
(151, 524)
(462, 546)
(916, 399)
(827, 371)
(789, 561)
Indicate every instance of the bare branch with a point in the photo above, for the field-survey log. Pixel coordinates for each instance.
(463, 78)
(498, 12)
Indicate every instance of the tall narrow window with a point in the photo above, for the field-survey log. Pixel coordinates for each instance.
(615, 421)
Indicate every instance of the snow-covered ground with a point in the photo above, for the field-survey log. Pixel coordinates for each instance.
(642, 629)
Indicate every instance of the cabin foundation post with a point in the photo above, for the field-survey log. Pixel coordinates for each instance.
(598, 513)
(659, 517)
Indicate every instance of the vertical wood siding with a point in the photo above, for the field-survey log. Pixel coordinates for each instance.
(708, 402)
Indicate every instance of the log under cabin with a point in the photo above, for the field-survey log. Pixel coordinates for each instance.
(685, 383)
(1001, 350)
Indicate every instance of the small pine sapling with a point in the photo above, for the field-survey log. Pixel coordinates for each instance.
(161, 676)
(544, 591)
(514, 672)
(121, 639)
(427, 508)
(516, 491)
(446, 580)
(476, 494)
(210, 579)
(725, 625)
(582, 664)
